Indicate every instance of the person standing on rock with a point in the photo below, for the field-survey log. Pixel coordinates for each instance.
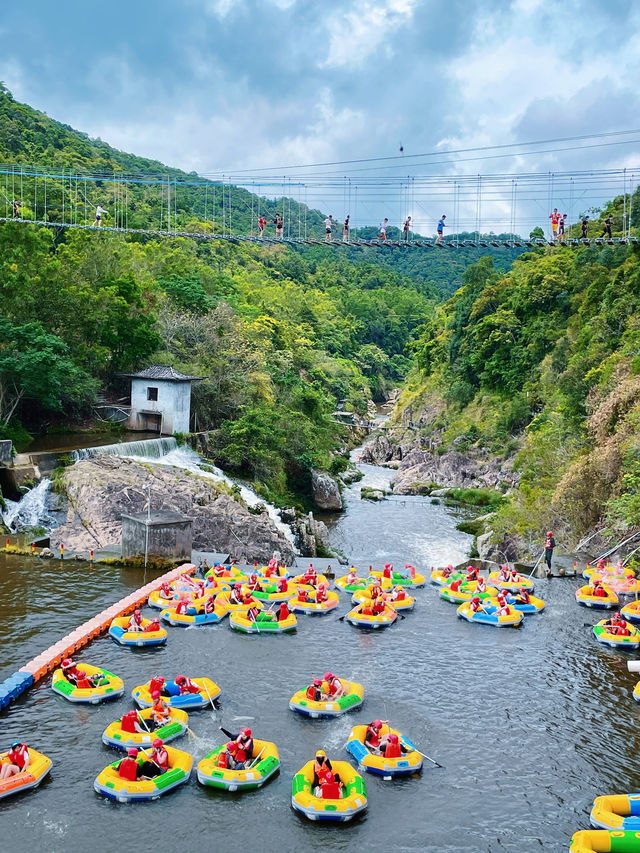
(549, 545)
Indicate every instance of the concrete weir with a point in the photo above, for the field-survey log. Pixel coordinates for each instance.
(47, 661)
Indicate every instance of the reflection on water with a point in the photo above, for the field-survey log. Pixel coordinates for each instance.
(530, 725)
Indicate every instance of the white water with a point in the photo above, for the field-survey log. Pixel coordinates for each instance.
(186, 458)
(150, 448)
(32, 510)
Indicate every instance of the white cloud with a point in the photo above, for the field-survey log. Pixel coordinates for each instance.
(355, 34)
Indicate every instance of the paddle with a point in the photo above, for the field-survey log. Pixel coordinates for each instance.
(206, 690)
(424, 755)
(256, 759)
(143, 722)
(536, 564)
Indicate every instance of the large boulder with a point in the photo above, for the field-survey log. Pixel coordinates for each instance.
(326, 492)
(101, 489)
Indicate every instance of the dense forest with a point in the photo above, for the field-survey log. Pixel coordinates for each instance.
(541, 365)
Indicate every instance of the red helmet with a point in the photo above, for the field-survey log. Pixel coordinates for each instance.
(549, 533)
(237, 586)
(179, 679)
(81, 673)
(132, 752)
(67, 663)
(393, 738)
(136, 612)
(246, 732)
(476, 599)
(317, 682)
(328, 675)
(618, 615)
(155, 694)
(158, 743)
(254, 577)
(376, 724)
(504, 566)
(132, 714)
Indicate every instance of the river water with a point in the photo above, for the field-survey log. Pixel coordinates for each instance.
(530, 725)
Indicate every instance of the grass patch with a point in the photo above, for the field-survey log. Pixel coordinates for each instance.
(477, 497)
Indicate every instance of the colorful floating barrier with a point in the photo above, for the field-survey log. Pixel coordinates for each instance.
(110, 784)
(519, 582)
(265, 763)
(585, 598)
(371, 620)
(39, 766)
(175, 727)
(605, 841)
(490, 616)
(109, 686)
(314, 608)
(209, 691)
(387, 766)
(118, 631)
(241, 621)
(345, 803)
(608, 638)
(352, 698)
(617, 811)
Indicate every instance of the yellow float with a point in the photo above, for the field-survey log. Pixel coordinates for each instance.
(609, 638)
(442, 577)
(406, 603)
(617, 811)
(39, 766)
(110, 784)
(208, 691)
(490, 616)
(619, 585)
(513, 585)
(196, 615)
(585, 598)
(631, 611)
(268, 591)
(467, 590)
(264, 763)
(118, 632)
(608, 571)
(352, 697)
(402, 765)
(299, 579)
(371, 620)
(408, 577)
(352, 799)
(605, 841)
(242, 622)
(359, 583)
(297, 605)
(175, 727)
(109, 686)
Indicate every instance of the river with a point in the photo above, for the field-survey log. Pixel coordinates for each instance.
(530, 725)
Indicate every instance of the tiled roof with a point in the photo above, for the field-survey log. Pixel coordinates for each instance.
(162, 371)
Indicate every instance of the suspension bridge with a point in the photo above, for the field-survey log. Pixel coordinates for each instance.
(240, 208)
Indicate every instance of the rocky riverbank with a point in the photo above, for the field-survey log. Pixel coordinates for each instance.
(101, 489)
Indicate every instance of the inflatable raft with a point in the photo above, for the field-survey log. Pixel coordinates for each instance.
(162, 602)
(352, 698)
(617, 811)
(118, 632)
(608, 571)
(342, 584)
(403, 765)
(241, 621)
(299, 580)
(602, 635)
(586, 599)
(489, 616)
(39, 766)
(466, 592)
(410, 580)
(111, 785)
(265, 763)
(378, 620)
(406, 603)
(619, 585)
(605, 841)
(174, 728)
(194, 701)
(110, 686)
(439, 578)
(314, 608)
(195, 614)
(631, 611)
(349, 801)
(520, 582)
(534, 605)
(225, 601)
(268, 591)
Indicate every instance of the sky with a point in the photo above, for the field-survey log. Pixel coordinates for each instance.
(228, 85)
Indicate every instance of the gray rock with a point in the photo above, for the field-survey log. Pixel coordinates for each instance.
(46, 554)
(483, 544)
(326, 492)
(372, 494)
(288, 514)
(312, 534)
(101, 489)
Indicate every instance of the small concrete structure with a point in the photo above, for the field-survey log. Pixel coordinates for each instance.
(6, 452)
(160, 534)
(161, 400)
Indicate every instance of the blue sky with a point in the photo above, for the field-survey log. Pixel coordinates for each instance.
(234, 84)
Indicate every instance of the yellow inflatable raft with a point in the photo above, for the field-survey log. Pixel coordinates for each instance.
(352, 795)
(110, 784)
(209, 690)
(617, 811)
(39, 766)
(406, 603)
(360, 583)
(175, 727)
(196, 615)
(519, 582)
(300, 582)
(410, 580)
(118, 631)
(619, 585)
(409, 761)
(268, 590)
(313, 607)
(224, 601)
(240, 621)
(109, 686)
(352, 697)
(439, 578)
(365, 620)
(264, 763)
(608, 571)
(466, 592)
(161, 602)
(606, 602)
(631, 611)
(605, 841)
(608, 638)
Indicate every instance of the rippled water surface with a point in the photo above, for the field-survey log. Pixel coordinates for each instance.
(530, 724)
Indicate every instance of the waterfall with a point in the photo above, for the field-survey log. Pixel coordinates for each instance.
(150, 448)
(31, 510)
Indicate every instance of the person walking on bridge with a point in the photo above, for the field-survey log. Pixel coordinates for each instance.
(279, 226)
(100, 211)
(383, 230)
(555, 218)
(345, 229)
(262, 221)
(16, 209)
(405, 229)
(585, 227)
(441, 227)
(606, 227)
(328, 225)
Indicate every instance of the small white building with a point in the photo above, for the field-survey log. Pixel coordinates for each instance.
(161, 400)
